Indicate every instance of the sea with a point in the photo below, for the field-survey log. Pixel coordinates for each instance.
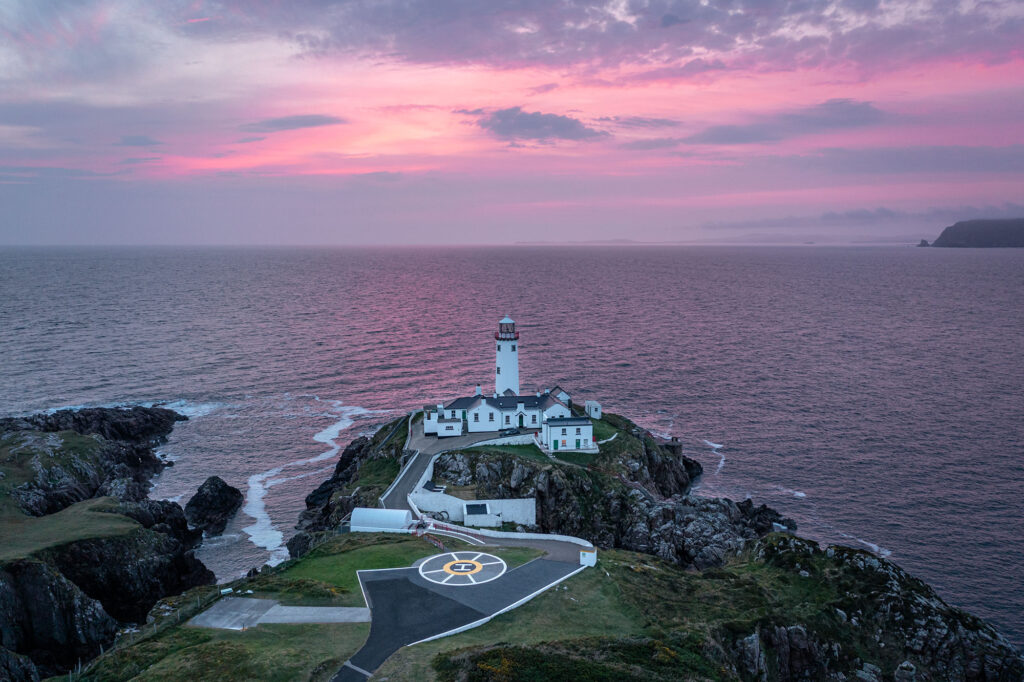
(873, 394)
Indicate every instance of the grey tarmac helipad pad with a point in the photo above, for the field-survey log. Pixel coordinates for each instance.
(462, 569)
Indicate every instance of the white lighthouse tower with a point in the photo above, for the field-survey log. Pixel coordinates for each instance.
(506, 373)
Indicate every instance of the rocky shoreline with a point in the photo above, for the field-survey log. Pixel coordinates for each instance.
(110, 555)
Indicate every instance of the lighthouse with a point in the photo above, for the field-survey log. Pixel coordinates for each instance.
(506, 372)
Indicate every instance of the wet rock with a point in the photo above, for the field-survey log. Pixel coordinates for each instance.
(905, 672)
(16, 667)
(213, 505)
(47, 617)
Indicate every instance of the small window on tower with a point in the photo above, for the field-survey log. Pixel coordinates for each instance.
(499, 347)
(513, 348)
(498, 370)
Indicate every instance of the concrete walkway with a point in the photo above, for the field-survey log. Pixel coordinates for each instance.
(239, 613)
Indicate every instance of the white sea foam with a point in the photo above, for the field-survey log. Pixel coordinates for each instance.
(715, 447)
(790, 491)
(188, 408)
(880, 551)
(263, 533)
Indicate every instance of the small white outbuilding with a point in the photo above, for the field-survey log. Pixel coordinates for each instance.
(371, 520)
(593, 409)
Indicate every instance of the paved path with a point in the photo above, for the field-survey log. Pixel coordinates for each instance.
(238, 613)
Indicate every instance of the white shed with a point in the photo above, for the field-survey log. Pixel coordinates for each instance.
(371, 520)
(593, 409)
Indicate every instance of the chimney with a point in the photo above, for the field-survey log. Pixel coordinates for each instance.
(538, 394)
(477, 390)
(495, 395)
(440, 407)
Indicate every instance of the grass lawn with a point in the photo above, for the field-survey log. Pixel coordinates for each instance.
(266, 652)
(525, 451)
(22, 535)
(578, 458)
(335, 562)
(603, 430)
(377, 472)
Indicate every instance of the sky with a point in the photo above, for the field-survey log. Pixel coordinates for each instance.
(354, 122)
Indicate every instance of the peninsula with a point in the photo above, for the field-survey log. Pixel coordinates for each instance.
(983, 234)
(525, 552)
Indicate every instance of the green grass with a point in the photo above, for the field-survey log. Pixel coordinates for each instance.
(524, 451)
(578, 458)
(267, 652)
(603, 430)
(22, 535)
(335, 562)
(377, 472)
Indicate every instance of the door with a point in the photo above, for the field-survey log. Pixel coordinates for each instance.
(520, 420)
(554, 445)
(577, 443)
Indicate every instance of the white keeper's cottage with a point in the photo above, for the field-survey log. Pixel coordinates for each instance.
(547, 413)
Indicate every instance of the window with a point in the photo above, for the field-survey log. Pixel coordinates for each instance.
(453, 414)
(513, 348)
(507, 419)
(476, 416)
(586, 442)
(534, 419)
(490, 416)
(577, 430)
(499, 347)
(449, 428)
(498, 370)
(563, 443)
(563, 433)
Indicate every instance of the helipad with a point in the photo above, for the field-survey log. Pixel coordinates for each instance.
(462, 568)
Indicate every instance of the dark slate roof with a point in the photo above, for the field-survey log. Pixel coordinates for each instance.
(463, 403)
(506, 402)
(568, 421)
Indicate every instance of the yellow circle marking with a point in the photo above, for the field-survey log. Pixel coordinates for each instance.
(463, 567)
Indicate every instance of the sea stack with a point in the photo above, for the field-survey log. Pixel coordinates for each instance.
(213, 505)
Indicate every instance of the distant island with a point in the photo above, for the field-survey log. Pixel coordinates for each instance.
(982, 234)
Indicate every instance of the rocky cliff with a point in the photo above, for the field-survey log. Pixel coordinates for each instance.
(73, 568)
(651, 514)
(983, 234)
(348, 487)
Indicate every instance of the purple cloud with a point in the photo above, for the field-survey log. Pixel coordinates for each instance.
(274, 125)
(835, 114)
(516, 124)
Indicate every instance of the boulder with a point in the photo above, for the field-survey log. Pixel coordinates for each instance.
(213, 505)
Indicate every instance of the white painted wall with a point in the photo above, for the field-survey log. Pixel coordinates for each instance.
(522, 511)
(567, 441)
(507, 366)
(449, 428)
(483, 417)
(593, 409)
(556, 411)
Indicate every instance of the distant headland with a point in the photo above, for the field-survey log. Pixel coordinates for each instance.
(982, 234)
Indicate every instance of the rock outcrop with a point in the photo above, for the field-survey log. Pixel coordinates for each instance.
(688, 530)
(907, 628)
(48, 619)
(213, 505)
(983, 234)
(64, 600)
(336, 497)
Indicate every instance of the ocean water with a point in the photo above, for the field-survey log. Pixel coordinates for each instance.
(876, 395)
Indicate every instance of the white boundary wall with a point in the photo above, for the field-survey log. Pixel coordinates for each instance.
(521, 439)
